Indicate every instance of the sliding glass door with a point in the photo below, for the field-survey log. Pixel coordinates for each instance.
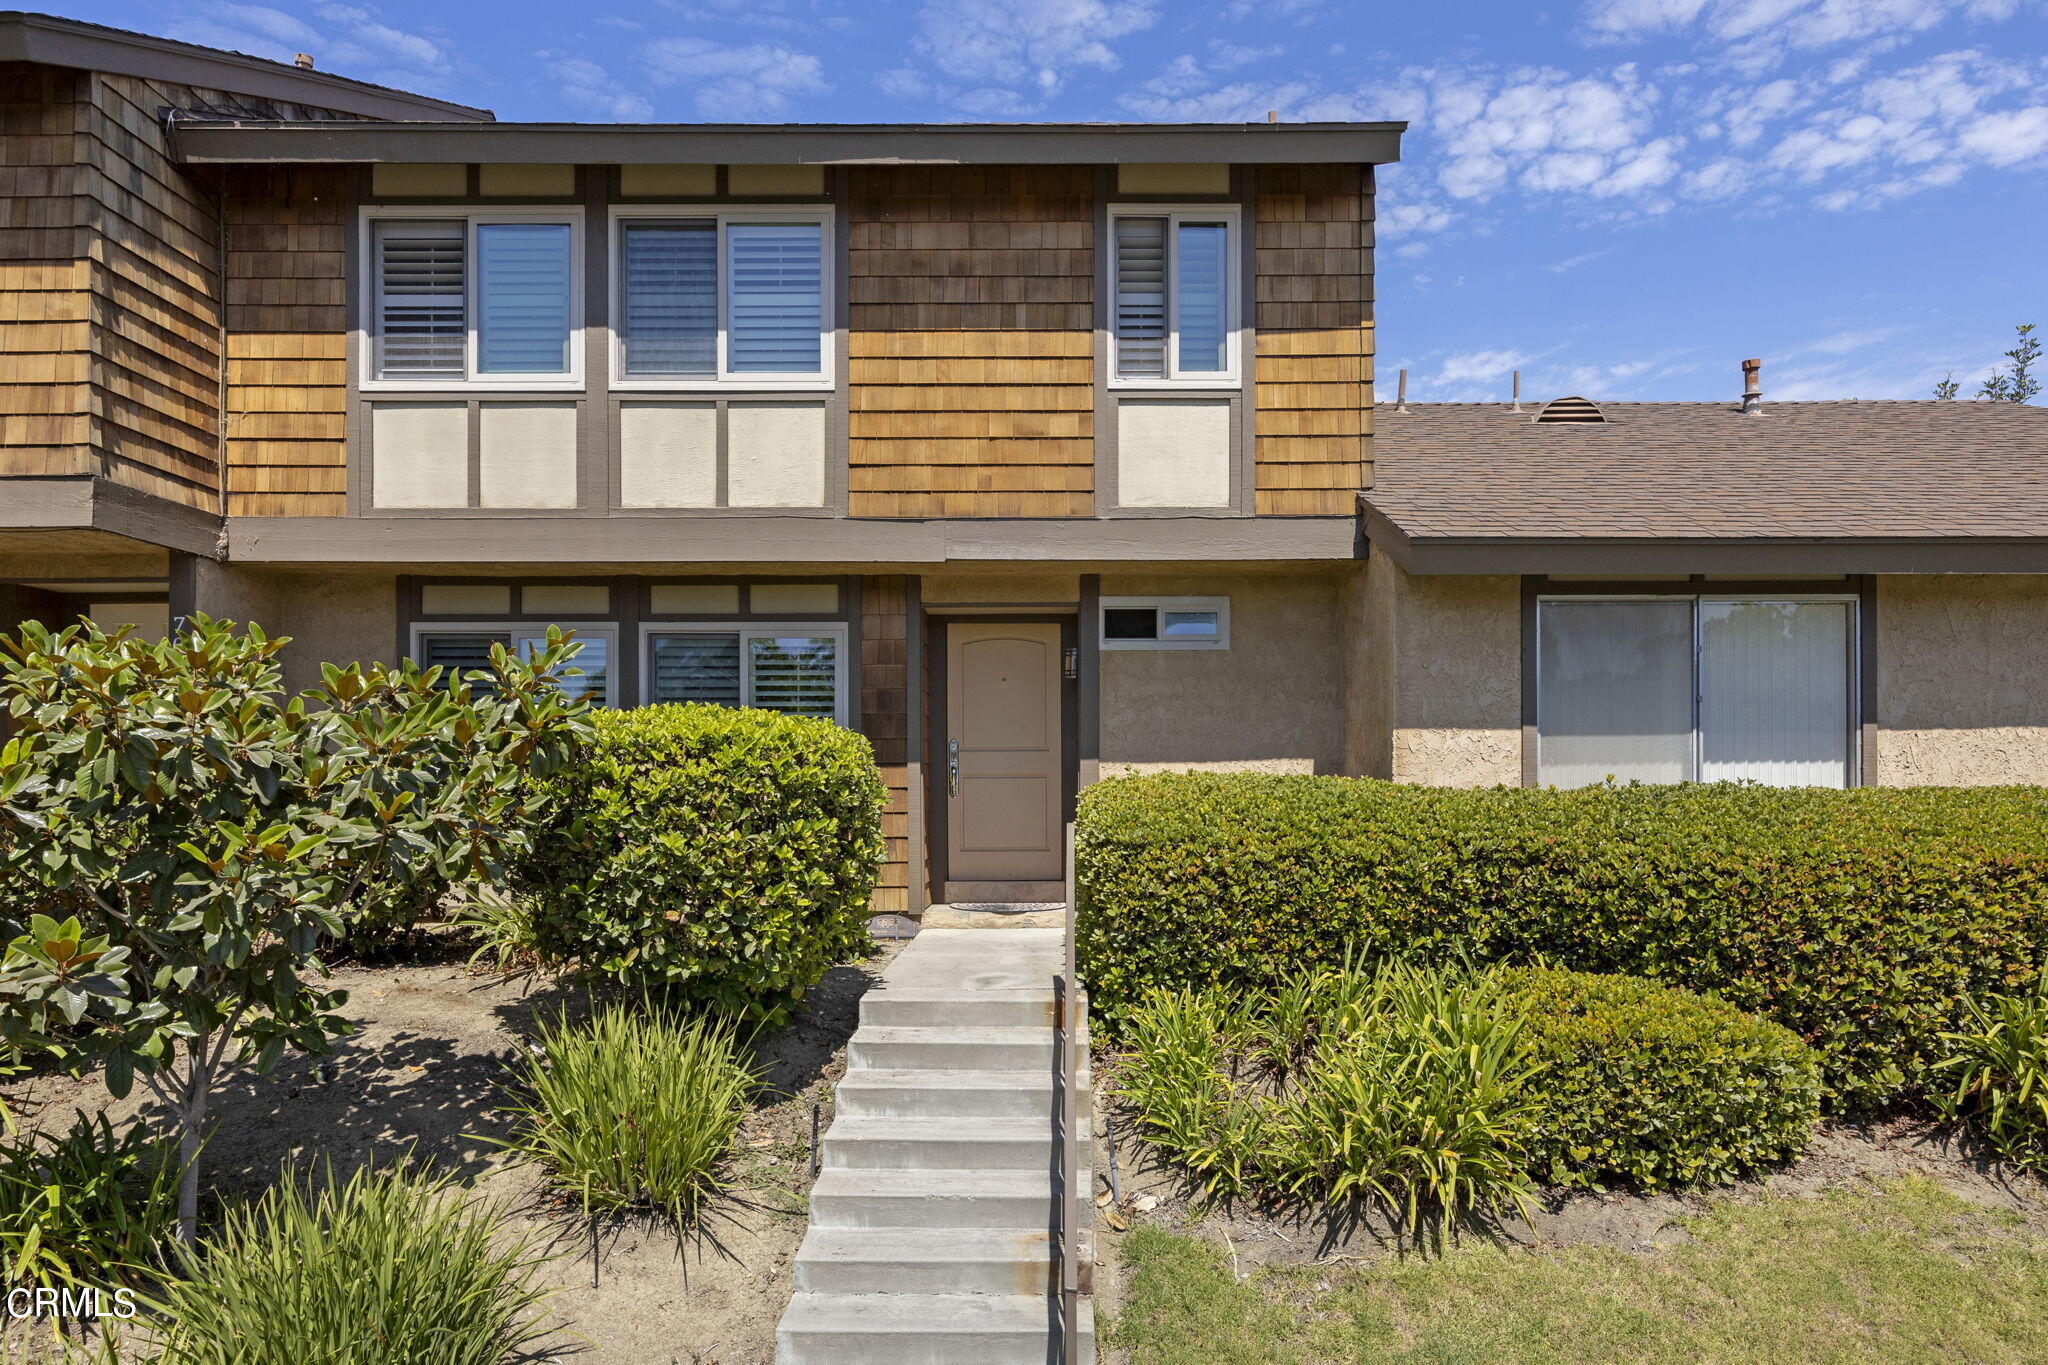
(1677, 689)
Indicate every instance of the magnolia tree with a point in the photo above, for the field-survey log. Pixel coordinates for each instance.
(179, 840)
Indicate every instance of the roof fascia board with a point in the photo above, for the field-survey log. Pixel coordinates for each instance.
(910, 145)
(1628, 558)
(85, 503)
(50, 41)
(783, 540)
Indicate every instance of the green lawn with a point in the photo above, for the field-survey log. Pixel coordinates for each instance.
(1905, 1273)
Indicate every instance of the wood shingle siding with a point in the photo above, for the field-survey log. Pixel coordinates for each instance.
(971, 350)
(45, 301)
(885, 720)
(1313, 312)
(287, 345)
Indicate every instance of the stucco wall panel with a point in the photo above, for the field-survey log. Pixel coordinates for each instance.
(1962, 679)
(1272, 702)
(337, 617)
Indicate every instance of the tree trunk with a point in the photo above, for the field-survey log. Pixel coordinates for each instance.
(191, 1117)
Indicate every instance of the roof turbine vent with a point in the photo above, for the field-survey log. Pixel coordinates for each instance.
(1574, 409)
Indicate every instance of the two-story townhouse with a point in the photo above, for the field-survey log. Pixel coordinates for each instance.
(1034, 452)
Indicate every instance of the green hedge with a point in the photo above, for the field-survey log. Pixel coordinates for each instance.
(1860, 920)
(726, 854)
(1657, 1085)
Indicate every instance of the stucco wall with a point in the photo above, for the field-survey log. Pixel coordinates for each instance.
(1272, 702)
(1962, 679)
(1457, 668)
(337, 617)
(1368, 604)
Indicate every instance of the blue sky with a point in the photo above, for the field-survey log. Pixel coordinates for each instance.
(1619, 197)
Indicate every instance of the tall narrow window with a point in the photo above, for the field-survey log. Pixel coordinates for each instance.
(776, 298)
(1174, 313)
(421, 318)
(1141, 298)
(523, 295)
(669, 278)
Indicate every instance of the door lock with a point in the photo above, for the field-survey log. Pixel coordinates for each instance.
(952, 767)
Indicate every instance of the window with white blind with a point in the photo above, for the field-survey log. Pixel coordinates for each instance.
(797, 669)
(464, 649)
(737, 298)
(460, 299)
(1174, 274)
(1707, 688)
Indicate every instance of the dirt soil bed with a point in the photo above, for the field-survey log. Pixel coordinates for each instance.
(1842, 1155)
(426, 1072)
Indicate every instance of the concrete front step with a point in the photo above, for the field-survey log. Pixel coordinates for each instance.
(859, 1142)
(924, 1329)
(882, 1198)
(925, 1261)
(951, 1049)
(933, 1093)
(936, 1006)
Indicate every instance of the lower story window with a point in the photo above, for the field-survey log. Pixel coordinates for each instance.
(797, 669)
(464, 649)
(1709, 689)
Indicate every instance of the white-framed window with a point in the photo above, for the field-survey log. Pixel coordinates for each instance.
(472, 298)
(1165, 623)
(1174, 278)
(795, 667)
(1706, 688)
(727, 298)
(464, 646)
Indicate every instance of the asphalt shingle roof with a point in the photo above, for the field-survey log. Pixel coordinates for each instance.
(1692, 470)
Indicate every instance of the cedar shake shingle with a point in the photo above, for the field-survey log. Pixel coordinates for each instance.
(1704, 470)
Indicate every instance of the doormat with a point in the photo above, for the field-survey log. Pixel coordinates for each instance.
(1007, 907)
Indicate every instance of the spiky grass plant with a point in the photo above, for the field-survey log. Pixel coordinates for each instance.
(635, 1108)
(386, 1268)
(93, 1206)
(1996, 1074)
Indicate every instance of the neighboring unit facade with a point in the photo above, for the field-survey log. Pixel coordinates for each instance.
(1034, 452)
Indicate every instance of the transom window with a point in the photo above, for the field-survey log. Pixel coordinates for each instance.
(477, 298)
(1165, 623)
(1707, 688)
(466, 648)
(731, 297)
(798, 669)
(1174, 273)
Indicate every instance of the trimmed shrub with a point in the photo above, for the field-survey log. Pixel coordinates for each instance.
(1655, 1085)
(1860, 920)
(388, 1268)
(724, 855)
(1995, 1075)
(635, 1108)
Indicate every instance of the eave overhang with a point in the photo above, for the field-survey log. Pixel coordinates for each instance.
(956, 144)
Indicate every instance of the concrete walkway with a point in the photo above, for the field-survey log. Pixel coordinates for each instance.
(931, 1221)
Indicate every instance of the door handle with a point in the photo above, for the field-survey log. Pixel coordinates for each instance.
(952, 767)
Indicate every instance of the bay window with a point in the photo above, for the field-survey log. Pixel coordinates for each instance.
(1174, 276)
(471, 299)
(1702, 688)
(737, 298)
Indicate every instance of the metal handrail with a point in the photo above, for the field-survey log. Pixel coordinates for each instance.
(1072, 1016)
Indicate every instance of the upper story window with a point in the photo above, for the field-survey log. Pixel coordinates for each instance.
(734, 297)
(476, 298)
(1175, 275)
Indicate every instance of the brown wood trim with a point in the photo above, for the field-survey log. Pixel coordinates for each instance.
(1530, 593)
(1088, 758)
(82, 503)
(914, 628)
(1867, 770)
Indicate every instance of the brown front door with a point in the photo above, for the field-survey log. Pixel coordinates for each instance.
(1002, 758)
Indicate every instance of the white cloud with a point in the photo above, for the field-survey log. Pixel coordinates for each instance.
(344, 39)
(1574, 262)
(589, 86)
(2007, 139)
(739, 82)
(1467, 366)
(1035, 43)
(1762, 29)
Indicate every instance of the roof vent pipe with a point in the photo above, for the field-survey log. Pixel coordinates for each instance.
(303, 61)
(1518, 393)
(1752, 395)
(1401, 394)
